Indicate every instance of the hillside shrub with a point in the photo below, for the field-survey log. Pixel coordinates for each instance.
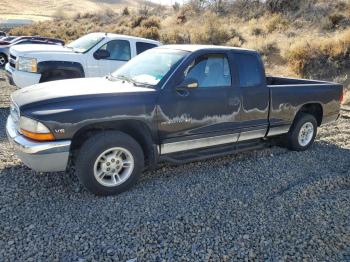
(151, 32)
(175, 36)
(137, 20)
(321, 58)
(282, 6)
(152, 21)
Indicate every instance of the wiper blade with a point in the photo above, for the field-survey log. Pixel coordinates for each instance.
(128, 79)
(110, 77)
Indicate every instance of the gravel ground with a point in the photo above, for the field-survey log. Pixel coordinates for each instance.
(270, 205)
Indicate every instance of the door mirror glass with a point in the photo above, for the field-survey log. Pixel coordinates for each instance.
(188, 83)
(101, 54)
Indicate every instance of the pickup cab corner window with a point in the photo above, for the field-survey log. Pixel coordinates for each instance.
(249, 70)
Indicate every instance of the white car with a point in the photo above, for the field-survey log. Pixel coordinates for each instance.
(93, 55)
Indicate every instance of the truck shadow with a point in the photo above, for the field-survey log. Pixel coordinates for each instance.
(228, 170)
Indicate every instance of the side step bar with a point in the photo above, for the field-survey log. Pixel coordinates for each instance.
(196, 155)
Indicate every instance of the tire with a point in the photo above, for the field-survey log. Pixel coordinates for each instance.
(302, 133)
(3, 60)
(109, 163)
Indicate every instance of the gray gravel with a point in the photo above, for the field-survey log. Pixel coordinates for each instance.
(264, 205)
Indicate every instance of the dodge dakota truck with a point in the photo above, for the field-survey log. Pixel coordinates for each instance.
(174, 103)
(92, 55)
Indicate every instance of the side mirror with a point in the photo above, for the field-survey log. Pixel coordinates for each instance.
(189, 83)
(101, 54)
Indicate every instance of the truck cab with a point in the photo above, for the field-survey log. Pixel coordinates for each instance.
(93, 55)
(174, 103)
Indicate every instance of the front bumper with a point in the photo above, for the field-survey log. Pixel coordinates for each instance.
(19, 78)
(39, 156)
(8, 75)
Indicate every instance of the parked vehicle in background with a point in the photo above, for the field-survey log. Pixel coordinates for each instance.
(175, 103)
(7, 40)
(96, 54)
(12, 39)
(24, 40)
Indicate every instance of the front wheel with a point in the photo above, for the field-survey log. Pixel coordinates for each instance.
(3, 60)
(109, 163)
(302, 133)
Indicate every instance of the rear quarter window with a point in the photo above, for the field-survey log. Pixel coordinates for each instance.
(142, 47)
(249, 70)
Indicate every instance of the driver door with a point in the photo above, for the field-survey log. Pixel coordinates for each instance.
(209, 111)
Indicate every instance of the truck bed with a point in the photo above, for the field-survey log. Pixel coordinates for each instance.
(287, 95)
(278, 81)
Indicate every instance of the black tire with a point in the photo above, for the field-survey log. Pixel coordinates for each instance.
(94, 147)
(3, 60)
(293, 142)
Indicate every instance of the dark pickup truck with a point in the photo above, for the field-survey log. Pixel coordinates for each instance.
(176, 103)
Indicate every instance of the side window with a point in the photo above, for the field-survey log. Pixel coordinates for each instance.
(142, 47)
(249, 70)
(210, 71)
(118, 49)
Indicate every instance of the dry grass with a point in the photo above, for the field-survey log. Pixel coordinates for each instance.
(40, 9)
(323, 56)
(308, 38)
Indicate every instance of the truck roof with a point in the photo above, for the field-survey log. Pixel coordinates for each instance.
(127, 37)
(193, 48)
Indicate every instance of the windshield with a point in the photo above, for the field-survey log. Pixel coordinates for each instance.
(8, 38)
(85, 43)
(150, 67)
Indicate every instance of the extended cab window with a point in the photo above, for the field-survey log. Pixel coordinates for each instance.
(118, 50)
(142, 47)
(249, 70)
(210, 71)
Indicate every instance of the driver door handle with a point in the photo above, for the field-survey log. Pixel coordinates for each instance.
(182, 92)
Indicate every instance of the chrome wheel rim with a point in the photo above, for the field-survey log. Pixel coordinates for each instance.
(2, 61)
(305, 134)
(114, 166)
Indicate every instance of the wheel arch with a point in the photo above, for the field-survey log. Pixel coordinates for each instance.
(314, 109)
(49, 69)
(137, 129)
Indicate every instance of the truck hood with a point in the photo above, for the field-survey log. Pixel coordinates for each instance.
(74, 88)
(38, 48)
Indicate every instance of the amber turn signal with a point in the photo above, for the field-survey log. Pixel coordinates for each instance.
(38, 136)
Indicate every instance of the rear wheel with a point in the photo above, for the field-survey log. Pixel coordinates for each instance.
(302, 133)
(109, 163)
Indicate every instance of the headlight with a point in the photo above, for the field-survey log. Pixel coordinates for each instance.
(26, 64)
(34, 129)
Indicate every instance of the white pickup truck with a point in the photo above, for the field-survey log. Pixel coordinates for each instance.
(93, 55)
